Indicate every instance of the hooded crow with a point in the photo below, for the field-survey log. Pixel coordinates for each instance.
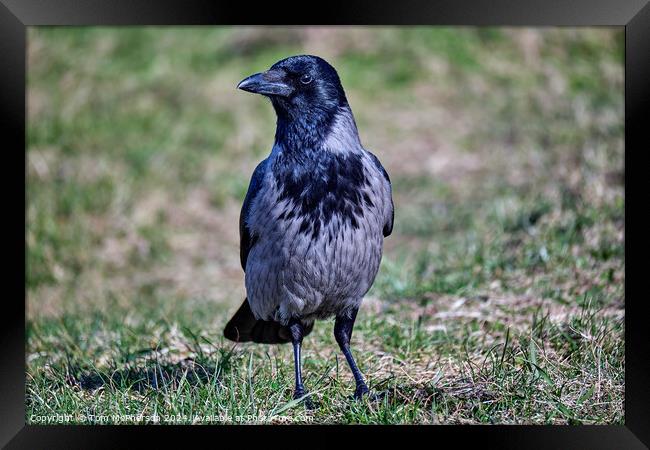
(314, 218)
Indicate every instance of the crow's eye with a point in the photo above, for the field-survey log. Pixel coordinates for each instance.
(305, 79)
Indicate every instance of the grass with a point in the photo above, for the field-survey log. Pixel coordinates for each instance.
(500, 297)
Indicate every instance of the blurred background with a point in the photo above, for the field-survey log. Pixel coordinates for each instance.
(504, 146)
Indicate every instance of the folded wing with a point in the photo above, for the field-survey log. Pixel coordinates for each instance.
(390, 216)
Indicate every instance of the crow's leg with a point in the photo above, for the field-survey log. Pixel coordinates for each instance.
(343, 333)
(297, 331)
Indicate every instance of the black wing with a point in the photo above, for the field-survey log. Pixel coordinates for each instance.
(246, 241)
(388, 226)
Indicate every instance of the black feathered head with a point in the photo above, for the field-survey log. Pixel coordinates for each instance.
(302, 86)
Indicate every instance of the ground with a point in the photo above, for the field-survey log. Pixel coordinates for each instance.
(500, 298)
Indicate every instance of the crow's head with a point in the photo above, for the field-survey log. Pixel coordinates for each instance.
(305, 87)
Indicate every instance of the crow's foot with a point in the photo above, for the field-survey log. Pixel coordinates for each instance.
(307, 401)
(362, 392)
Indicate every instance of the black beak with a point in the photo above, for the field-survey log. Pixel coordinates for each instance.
(266, 83)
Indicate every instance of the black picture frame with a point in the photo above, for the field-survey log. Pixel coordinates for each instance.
(16, 15)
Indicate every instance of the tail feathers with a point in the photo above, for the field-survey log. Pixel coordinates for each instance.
(244, 327)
